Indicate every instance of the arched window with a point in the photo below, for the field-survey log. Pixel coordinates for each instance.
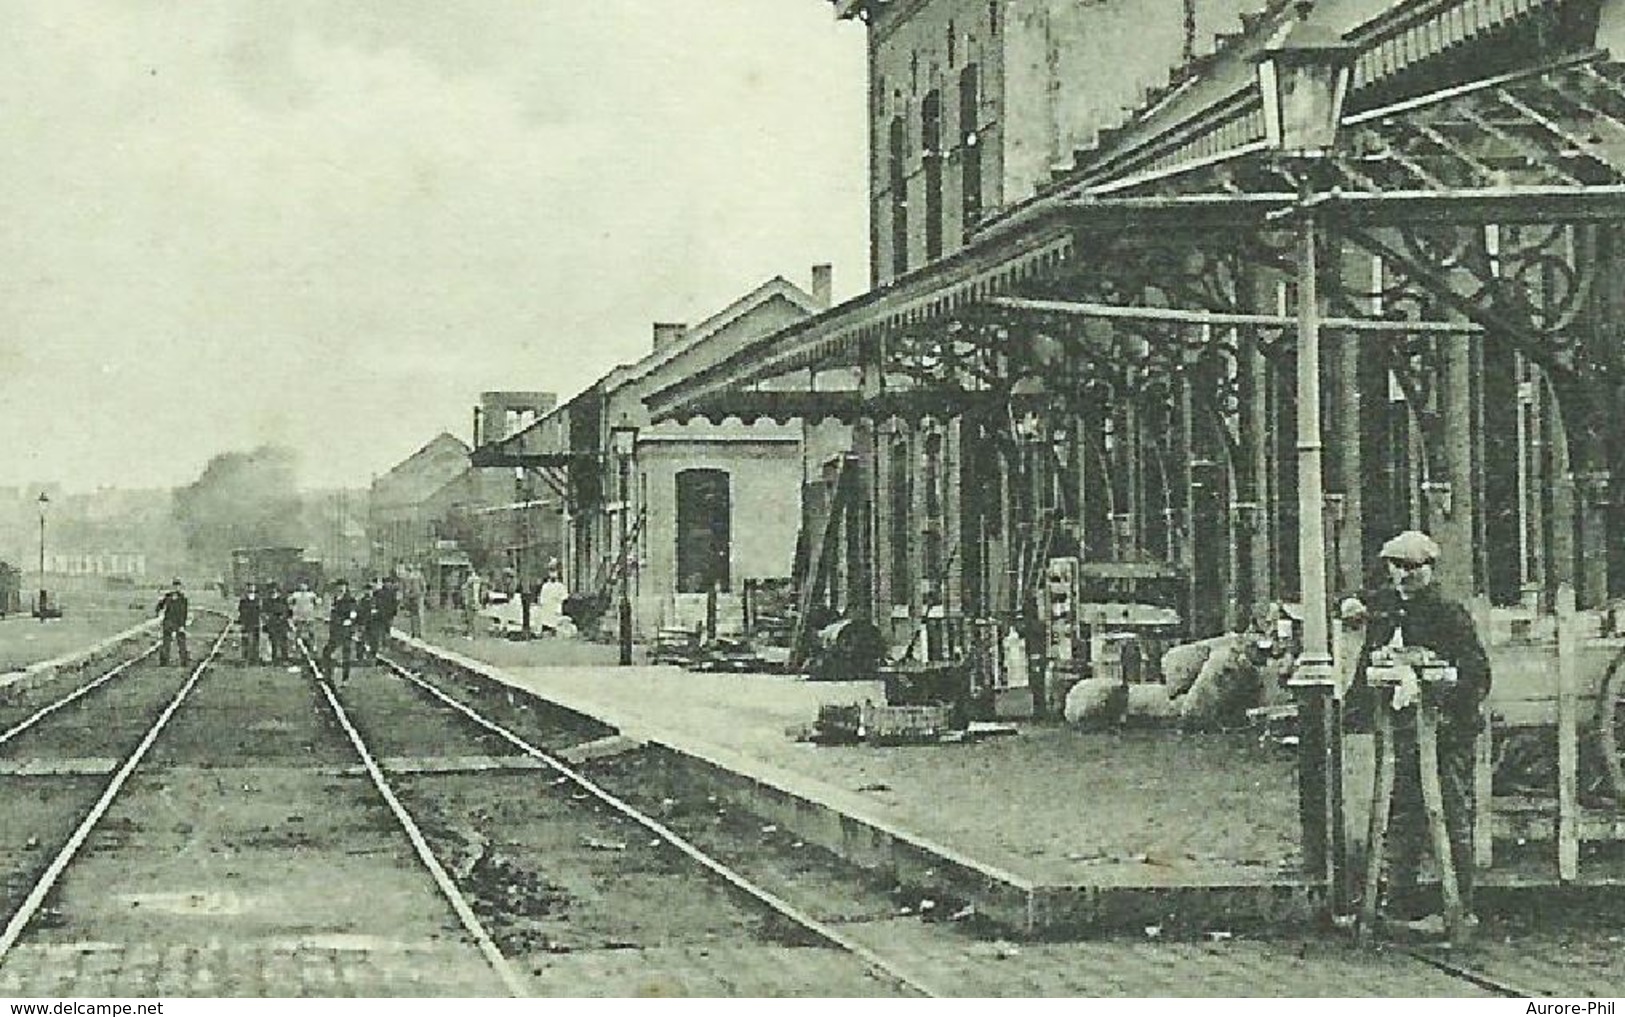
(931, 160)
(897, 181)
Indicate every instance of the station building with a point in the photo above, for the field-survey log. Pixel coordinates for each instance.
(1081, 341)
(1110, 271)
(684, 511)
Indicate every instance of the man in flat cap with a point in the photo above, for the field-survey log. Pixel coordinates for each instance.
(1411, 608)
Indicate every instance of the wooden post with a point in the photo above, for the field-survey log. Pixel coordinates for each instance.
(1252, 472)
(1568, 740)
(1483, 759)
(1320, 786)
(1350, 467)
(1382, 794)
(1427, 747)
(1312, 782)
(1354, 750)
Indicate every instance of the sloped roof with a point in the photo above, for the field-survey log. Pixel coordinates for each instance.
(421, 474)
(524, 442)
(778, 286)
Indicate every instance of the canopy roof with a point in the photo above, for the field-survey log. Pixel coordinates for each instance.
(1539, 147)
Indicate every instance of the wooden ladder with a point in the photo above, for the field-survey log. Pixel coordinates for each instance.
(819, 561)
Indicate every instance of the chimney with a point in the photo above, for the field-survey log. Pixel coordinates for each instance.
(823, 286)
(668, 332)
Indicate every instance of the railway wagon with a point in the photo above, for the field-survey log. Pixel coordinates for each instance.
(285, 566)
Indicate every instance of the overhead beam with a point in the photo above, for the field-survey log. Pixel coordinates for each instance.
(1476, 206)
(496, 456)
(1181, 316)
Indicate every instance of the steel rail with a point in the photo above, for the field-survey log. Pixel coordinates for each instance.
(83, 690)
(53, 872)
(1469, 975)
(511, 979)
(765, 897)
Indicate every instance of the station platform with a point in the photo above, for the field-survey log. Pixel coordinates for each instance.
(1044, 829)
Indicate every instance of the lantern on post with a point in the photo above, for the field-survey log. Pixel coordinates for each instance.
(1304, 75)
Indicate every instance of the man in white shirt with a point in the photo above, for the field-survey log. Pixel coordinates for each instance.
(306, 610)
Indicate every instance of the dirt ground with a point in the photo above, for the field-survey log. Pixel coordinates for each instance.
(569, 888)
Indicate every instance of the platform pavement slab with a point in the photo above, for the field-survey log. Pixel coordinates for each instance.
(1051, 804)
(1048, 807)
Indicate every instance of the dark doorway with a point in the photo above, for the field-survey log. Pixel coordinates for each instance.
(704, 532)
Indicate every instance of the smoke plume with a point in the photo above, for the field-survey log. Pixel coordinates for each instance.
(243, 499)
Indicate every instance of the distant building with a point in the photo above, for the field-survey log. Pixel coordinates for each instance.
(703, 504)
(131, 564)
(435, 511)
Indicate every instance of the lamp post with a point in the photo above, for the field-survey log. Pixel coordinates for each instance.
(1304, 75)
(521, 498)
(624, 443)
(43, 502)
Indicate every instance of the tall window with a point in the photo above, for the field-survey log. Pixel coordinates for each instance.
(934, 513)
(931, 142)
(704, 530)
(898, 184)
(970, 147)
(902, 511)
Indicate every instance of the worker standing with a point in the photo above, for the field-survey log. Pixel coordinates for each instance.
(173, 609)
(364, 622)
(412, 600)
(302, 607)
(278, 617)
(385, 602)
(342, 615)
(249, 618)
(473, 596)
(1410, 618)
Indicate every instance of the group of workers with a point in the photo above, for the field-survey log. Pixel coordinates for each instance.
(357, 626)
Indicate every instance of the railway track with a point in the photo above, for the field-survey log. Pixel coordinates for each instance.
(145, 894)
(45, 881)
(566, 784)
(174, 874)
(1458, 967)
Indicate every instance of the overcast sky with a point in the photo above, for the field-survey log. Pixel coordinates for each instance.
(331, 224)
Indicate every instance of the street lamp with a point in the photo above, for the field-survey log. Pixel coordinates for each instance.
(43, 502)
(624, 443)
(1304, 75)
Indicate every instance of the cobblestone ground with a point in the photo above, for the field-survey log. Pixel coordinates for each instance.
(1588, 965)
(249, 969)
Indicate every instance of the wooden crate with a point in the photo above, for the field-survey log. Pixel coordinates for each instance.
(905, 725)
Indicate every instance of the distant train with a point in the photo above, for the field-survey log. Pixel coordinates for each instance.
(285, 566)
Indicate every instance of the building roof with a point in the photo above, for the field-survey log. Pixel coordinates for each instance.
(527, 444)
(1211, 104)
(778, 286)
(421, 474)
